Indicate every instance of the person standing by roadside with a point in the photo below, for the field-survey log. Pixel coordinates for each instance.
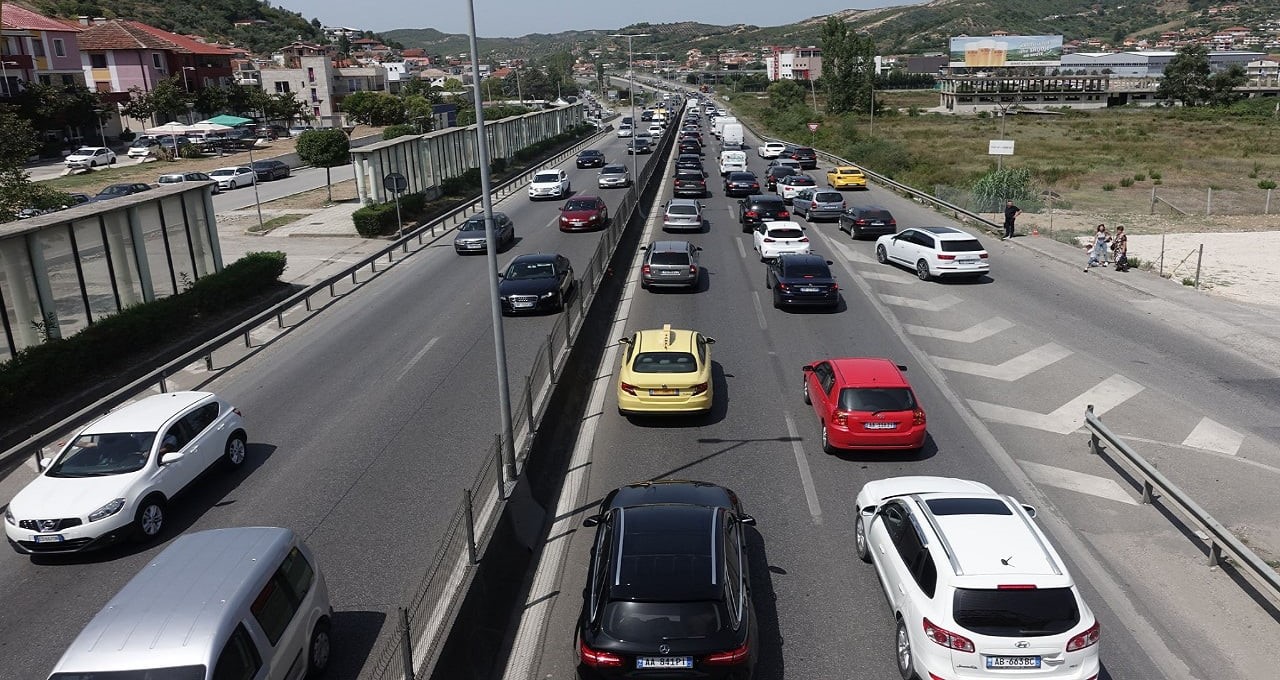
(1098, 249)
(1120, 250)
(1011, 212)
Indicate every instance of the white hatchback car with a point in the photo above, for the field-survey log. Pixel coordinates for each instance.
(935, 252)
(549, 184)
(772, 239)
(114, 478)
(974, 586)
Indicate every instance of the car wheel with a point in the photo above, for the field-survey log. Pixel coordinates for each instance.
(882, 256)
(860, 540)
(903, 655)
(93, 163)
(149, 521)
(826, 442)
(236, 451)
(804, 392)
(922, 270)
(777, 300)
(112, 161)
(559, 302)
(319, 649)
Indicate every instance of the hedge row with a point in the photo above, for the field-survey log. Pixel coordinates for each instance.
(52, 369)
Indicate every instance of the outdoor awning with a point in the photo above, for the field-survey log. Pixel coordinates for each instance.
(171, 128)
(225, 119)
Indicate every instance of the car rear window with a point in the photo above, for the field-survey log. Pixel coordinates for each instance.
(786, 232)
(875, 399)
(665, 362)
(168, 673)
(801, 181)
(669, 258)
(815, 271)
(770, 206)
(1016, 613)
(828, 197)
(964, 246)
(689, 175)
(682, 210)
(170, 179)
(652, 622)
(741, 177)
(876, 215)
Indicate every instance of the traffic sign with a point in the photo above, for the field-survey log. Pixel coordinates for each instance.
(813, 127)
(1000, 147)
(395, 182)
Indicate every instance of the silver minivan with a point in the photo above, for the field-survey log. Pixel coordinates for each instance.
(226, 603)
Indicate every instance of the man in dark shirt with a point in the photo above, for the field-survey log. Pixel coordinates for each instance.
(1011, 211)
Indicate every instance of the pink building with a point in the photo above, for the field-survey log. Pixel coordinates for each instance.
(36, 48)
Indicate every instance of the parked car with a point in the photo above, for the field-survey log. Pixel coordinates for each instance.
(583, 213)
(613, 175)
(269, 169)
(802, 280)
(553, 183)
(471, 237)
(846, 177)
(536, 282)
(115, 478)
(234, 177)
(682, 213)
(758, 208)
(670, 264)
(690, 183)
(117, 190)
(590, 158)
(170, 142)
(935, 252)
(142, 147)
(91, 157)
(864, 403)
(296, 130)
(179, 177)
(863, 220)
(666, 371)
(814, 204)
(787, 187)
(771, 239)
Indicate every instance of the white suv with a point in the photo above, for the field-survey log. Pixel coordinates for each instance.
(549, 184)
(935, 252)
(114, 478)
(976, 589)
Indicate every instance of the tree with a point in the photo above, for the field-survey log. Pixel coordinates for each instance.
(344, 44)
(17, 192)
(785, 94)
(374, 108)
(213, 100)
(284, 106)
(1223, 84)
(837, 68)
(419, 111)
(326, 148)
(167, 99)
(59, 107)
(1186, 77)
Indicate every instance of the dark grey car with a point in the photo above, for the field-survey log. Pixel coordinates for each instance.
(818, 204)
(670, 264)
(862, 221)
(471, 236)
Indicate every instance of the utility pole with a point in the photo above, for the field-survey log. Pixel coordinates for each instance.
(631, 75)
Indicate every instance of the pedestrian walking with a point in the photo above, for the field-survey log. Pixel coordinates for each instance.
(1098, 249)
(1120, 250)
(1011, 212)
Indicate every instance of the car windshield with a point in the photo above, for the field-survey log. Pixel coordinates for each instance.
(664, 362)
(785, 232)
(474, 224)
(613, 170)
(652, 622)
(963, 246)
(1016, 613)
(546, 177)
(875, 399)
(808, 271)
(682, 210)
(171, 673)
(115, 190)
(589, 153)
(669, 258)
(580, 204)
(170, 179)
(85, 151)
(103, 455)
(531, 270)
(224, 172)
(142, 143)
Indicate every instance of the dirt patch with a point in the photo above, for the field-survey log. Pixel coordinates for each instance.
(315, 199)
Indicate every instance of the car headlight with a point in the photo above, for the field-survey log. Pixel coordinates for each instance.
(8, 517)
(107, 510)
(548, 295)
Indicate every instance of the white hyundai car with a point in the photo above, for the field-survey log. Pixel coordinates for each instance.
(549, 184)
(772, 239)
(115, 478)
(91, 157)
(935, 252)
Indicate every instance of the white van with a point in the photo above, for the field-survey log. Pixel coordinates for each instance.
(717, 127)
(226, 603)
(731, 137)
(733, 161)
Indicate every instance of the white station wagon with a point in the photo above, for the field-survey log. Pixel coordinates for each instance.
(115, 478)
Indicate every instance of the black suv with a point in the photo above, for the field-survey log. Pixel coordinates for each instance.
(690, 146)
(807, 156)
(798, 280)
(758, 208)
(688, 161)
(690, 183)
(668, 587)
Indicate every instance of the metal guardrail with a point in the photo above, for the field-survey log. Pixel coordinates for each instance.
(1154, 484)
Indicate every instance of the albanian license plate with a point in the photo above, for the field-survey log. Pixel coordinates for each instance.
(664, 393)
(664, 662)
(809, 289)
(522, 304)
(881, 426)
(1013, 662)
(48, 538)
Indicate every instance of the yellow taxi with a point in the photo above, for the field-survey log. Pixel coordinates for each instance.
(665, 371)
(846, 177)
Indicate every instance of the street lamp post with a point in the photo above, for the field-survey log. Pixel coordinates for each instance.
(4, 73)
(185, 82)
(491, 254)
(1004, 115)
(631, 75)
(101, 135)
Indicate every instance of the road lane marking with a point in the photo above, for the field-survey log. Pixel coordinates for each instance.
(1016, 368)
(1067, 418)
(806, 476)
(1077, 481)
(974, 333)
(901, 278)
(1211, 435)
(755, 299)
(742, 251)
(937, 304)
(416, 358)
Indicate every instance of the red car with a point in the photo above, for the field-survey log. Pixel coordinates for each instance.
(582, 213)
(864, 403)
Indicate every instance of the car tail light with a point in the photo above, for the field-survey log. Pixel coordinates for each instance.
(804, 239)
(628, 388)
(752, 213)
(693, 269)
(755, 185)
(946, 257)
(843, 205)
(782, 214)
(596, 658)
(699, 389)
(983, 256)
(917, 417)
(1016, 586)
(703, 182)
(893, 223)
(644, 269)
(732, 657)
(835, 286)
(782, 286)
(946, 638)
(860, 221)
(841, 418)
(768, 240)
(1086, 639)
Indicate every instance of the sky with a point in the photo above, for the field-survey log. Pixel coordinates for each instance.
(514, 18)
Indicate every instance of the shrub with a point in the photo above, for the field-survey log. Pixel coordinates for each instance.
(1139, 177)
(189, 151)
(401, 130)
(1266, 185)
(374, 219)
(1108, 187)
(1156, 181)
(1153, 174)
(462, 184)
(127, 135)
(1126, 181)
(1188, 281)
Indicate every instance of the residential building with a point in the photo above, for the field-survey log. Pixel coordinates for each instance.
(38, 49)
(794, 63)
(319, 82)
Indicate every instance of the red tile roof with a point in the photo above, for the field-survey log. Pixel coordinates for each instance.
(117, 34)
(182, 42)
(18, 17)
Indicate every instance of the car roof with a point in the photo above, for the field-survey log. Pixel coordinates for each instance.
(148, 414)
(663, 491)
(670, 246)
(535, 257)
(613, 166)
(869, 372)
(764, 198)
(946, 232)
(174, 611)
(802, 258)
(684, 201)
(665, 338)
(667, 552)
(967, 532)
(742, 174)
(590, 152)
(846, 169)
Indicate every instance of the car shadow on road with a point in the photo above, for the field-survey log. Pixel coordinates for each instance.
(770, 664)
(719, 407)
(929, 450)
(356, 634)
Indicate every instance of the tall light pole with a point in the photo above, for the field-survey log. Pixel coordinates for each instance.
(491, 254)
(631, 94)
(185, 82)
(4, 73)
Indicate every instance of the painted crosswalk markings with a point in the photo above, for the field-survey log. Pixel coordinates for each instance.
(974, 333)
(1014, 369)
(1079, 482)
(937, 304)
(1211, 435)
(1067, 418)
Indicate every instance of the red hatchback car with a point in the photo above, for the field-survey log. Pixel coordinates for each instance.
(582, 213)
(864, 403)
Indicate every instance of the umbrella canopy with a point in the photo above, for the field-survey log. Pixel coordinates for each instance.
(228, 120)
(206, 126)
(170, 128)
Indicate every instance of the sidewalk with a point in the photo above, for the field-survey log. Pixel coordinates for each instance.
(318, 246)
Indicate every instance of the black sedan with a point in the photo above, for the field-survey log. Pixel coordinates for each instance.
(862, 221)
(269, 170)
(118, 190)
(536, 282)
(668, 592)
(471, 235)
(741, 184)
(802, 280)
(591, 158)
(688, 161)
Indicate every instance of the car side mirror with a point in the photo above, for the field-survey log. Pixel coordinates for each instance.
(868, 512)
(1031, 511)
(710, 341)
(747, 520)
(698, 248)
(172, 457)
(591, 521)
(901, 367)
(502, 276)
(44, 462)
(624, 341)
(829, 263)
(806, 369)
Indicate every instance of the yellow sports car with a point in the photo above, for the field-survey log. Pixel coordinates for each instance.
(846, 177)
(665, 371)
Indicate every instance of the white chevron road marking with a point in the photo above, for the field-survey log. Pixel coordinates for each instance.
(1067, 418)
(1077, 481)
(853, 255)
(974, 333)
(937, 304)
(1014, 369)
(1211, 435)
(890, 278)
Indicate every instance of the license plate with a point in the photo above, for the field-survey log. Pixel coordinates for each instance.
(664, 662)
(475, 246)
(877, 224)
(49, 538)
(968, 260)
(880, 426)
(810, 290)
(1013, 662)
(521, 305)
(670, 273)
(664, 393)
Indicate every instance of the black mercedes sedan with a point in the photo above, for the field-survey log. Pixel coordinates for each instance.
(591, 158)
(536, 282)
(668, 592)
(802, 280)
